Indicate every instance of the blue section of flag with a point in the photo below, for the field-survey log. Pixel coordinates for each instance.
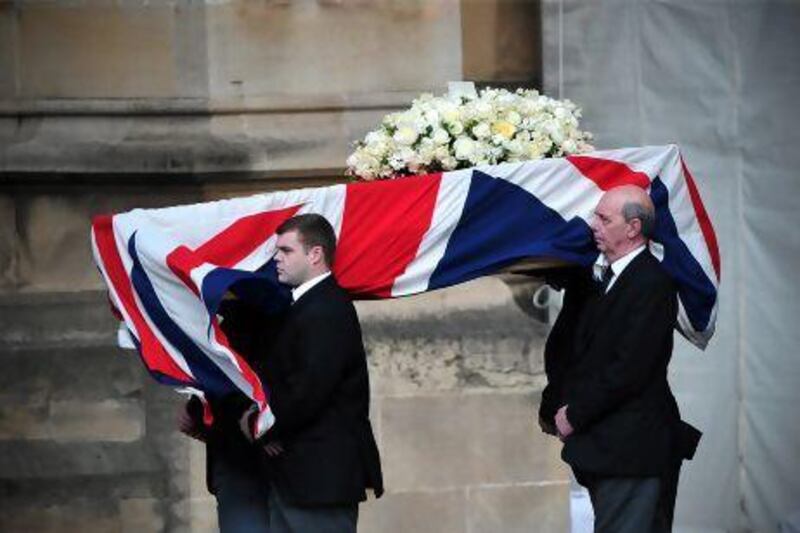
(697, 292)
(259, 289)
(502, 223)
(208, 376)
(162, 378)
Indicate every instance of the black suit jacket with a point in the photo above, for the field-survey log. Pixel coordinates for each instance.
(578, 287)
(614, 379)
(251, 330)
(319, 392)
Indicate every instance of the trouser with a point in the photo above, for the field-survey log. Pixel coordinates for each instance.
(288, 518)
(632, 504)
(242, 498)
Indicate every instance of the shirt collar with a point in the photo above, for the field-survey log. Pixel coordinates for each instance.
(304, 287)
(617, 266)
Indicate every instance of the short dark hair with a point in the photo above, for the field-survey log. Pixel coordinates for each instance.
(313, 230)
(646, 216)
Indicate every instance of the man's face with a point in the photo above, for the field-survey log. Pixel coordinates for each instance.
(611, 232)
(293, 262)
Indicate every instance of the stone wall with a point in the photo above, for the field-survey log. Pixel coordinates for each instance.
(456, 376)
(224, 86)
(107, 106)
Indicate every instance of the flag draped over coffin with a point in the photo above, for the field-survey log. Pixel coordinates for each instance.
(167, 269)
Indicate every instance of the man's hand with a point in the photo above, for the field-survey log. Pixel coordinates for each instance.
(563, 426)
(244, 422)
(273, 448)
(188, 426)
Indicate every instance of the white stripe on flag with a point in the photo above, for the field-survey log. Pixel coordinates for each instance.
(555, 182)
(450, 199)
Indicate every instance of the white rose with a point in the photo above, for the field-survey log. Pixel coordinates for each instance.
(377, 150)
(441, 153)
(405, 136)
(483, 109)
(464, 148)
(448, 111)
(376, 137)
(432, 117)
(515, 147)
(440, 136)
(569, 146)
(482, 131)
(514, 118)
(544, 145)
(534, 150)
(363, 165)
(557, 135)
(456, 128)
(449, 163)
(426, 151)
(552, 128)
(507, 99)
(526, 107)
(479, 154)
(399, 159)
(353, 160)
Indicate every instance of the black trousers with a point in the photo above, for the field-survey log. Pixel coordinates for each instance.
(287, 518)
(242, 496)
(242, 500)
(632, 504)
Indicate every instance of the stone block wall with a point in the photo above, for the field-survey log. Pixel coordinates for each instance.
(108, 106)
(87, 440)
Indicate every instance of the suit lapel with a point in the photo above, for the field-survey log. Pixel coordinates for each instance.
(624, 279)
(598, 308)
(312, 294)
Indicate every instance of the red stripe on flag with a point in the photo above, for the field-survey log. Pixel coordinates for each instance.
(153, 352)
(238, 240)
(608, 174)
(229, 246)
(703, 219)
(181, 261)
(383, 225)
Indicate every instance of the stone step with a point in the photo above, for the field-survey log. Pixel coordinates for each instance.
(56, 319)
(16, 493)
(498, 322)
(34, 376)
(24, 460)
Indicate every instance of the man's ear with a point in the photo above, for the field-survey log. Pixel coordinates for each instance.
(315, 255)
(635, 228)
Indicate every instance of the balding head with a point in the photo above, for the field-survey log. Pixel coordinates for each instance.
(623, 221)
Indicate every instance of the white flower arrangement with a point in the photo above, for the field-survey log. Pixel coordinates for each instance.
(461, 131)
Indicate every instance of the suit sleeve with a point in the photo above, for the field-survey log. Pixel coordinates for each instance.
(324, 349)
(636, 355)
(558, 347)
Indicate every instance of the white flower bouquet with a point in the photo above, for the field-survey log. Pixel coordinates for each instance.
(460, 131)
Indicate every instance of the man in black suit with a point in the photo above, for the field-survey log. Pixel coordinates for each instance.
(322, 450)
(235, 466)
(608, 397)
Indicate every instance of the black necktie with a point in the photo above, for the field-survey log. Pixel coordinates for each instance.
(606, 279)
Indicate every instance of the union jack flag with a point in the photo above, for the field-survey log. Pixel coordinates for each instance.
(168, 269)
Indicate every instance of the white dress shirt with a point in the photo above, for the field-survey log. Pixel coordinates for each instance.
(617, 266)
(303, 288)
